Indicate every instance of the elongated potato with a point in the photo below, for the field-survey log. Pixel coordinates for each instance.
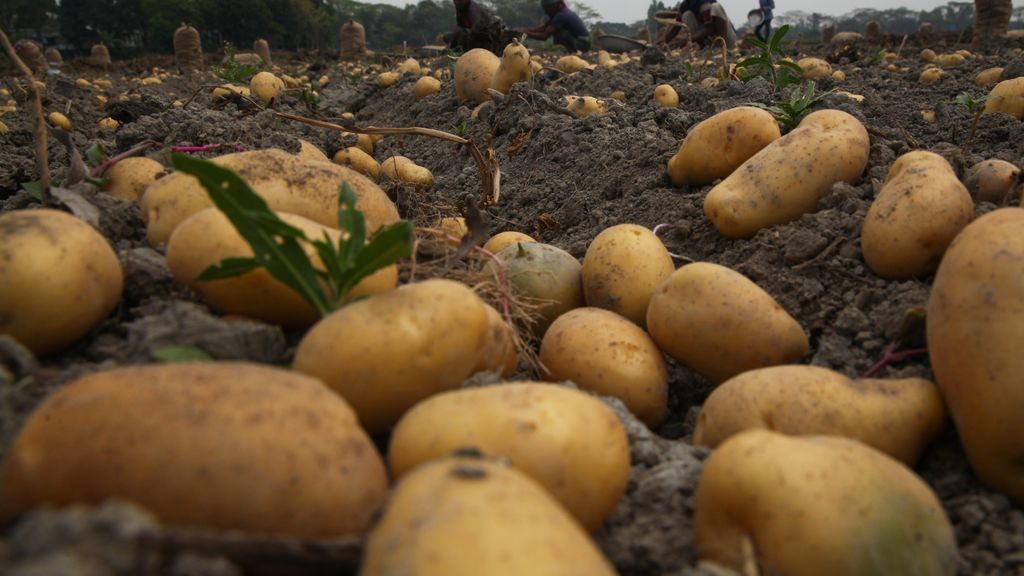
(210, 445)
(719, 145)
(514, 67)
(359, 160)
(898, 417)
(288, 184)
(719, 323)
(583, 106)
(571, 64)
(1007, 97)
(468, 517)
(622, 268)
(474, 74)
(814, 68)
(921, 207)
(786, 179)
(402, 169)
(571, 443)
(975, 330)
(413, 342)
(808, 506)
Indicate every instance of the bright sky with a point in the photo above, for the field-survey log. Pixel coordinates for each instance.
(630, 11)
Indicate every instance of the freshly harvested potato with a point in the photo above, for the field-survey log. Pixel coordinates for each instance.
(666, 96)
(571, 443)
(814, 68)
(368, 142)
(898, 417)
(402, 169)
(786, 179)
(415, 341)
(467, 517)
(359, 160)
(717, 322)
(928, 55)
(991, 180)
(839, 76)
(618, 95)
(288, 184)
(226, 90)
(266, 86)
(622, 268)
(571, 64)
(128, 178)
(387, 79)
(308, 151)
(931, 75)
(108, 124)
(514, 67)
(988, 77)
(59, 278)
(210, 445)
(583, 106)
(58, 120)
(719, 145)
(921, 207)
(949, 60)
(605, 353)
(1007, 97)
(409, 66)
(208, 237)
(546, 275)
(426, 86)
(975, 328)
(501, 240)
(454, 227)
(773, 504)
(474, 74)
(499, 353)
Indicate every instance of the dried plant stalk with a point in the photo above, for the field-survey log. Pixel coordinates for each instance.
(38, 121)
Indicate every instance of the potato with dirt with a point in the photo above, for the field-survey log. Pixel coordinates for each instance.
(921, 208)
(569, 442)
(719, 145)
(992, 180)
(806, 506)
(544, 275)
(474, 74)
(467, 516)
(899, 417)
(787, 178)
(210, 445)
(720, 324)
(59, 278)
(975, 330)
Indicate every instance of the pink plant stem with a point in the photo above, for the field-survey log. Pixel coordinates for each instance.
(893, 357)
(109, 162)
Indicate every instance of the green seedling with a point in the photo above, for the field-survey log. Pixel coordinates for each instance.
(800, 103)
(769, 63)
(280, 248)
(232, 71)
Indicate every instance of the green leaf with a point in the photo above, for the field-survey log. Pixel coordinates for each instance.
(180, 354)
(33, 189)
(95, 155)
(228, 268)
(756, 42)
(391, 244)
(352, 221)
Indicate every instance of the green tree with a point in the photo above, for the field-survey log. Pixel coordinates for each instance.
(27, 15)
(118, 23)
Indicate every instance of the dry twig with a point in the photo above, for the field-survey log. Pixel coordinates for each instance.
(38, 121)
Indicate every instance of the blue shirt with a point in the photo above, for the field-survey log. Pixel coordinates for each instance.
(566, 19)
(767, 6)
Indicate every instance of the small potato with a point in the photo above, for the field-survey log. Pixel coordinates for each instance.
(928, 55)
(415, 341)
(266, 86)
(569, 442)
(409, 66)
(839, 76)
(501, 240)
(949, 60)
(129, 178)
(787, 178)
(571, 64)
(359, 160)
(474, 74)
(547, 276)
(773, 504)
(59, 278)
(402, 169)
(108, 124)
(514, 68)
(898, 417)
(469, 517)
(622, 268)
(720, 324)
(150, 81)
(211, 445)
(710, 82)
(454, 227)
(368, 142)
(607, 354)
(1007, 97)
(618, 95)
(83, 83)
(991, 180)
(584, 106)
(426, 86)
(226, 90)
(666, 96)
(988, 77)
(814, 68)
(58, 120)
(921, 208)
(931, 76)
(717, 146)
(387, 79)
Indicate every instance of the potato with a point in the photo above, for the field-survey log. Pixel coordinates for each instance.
(928, 55)
(409, 66)
(474, 74)
(717, 146)
(584, 106)
(991, 180)
(569, 442)
(58, 120)
(814, 68)
(499, 354)
(426, 86)
(817, 505)
(359, 160)
(666, 96)
(975, 327)
(514, 68)
(607, 354)
(839, 76)
(266, 86)
(210, 445)
(3, 128)
(786, 179)
(287, 183)
(545, 275)
(208, 237)
(1007, 97)
(618, 95)
(108, 124)
(898, 417)
(387, 79)
(720, 324)
(622, 268)
(988, 77)
(501, 240)
(150, 81)
(402, 169)
(368, 142)
(128, 178)
(921, 207)
(949, 60)
(59, 278)
(931, 75)
(225, 90)
(416, 341)
(467, 517)
(454, 227)
(309, 151)
(571, 64)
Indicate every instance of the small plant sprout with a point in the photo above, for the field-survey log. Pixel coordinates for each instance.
(974, 104)
(280, 248)
(232, 70)
(800, 103)
(769, 63)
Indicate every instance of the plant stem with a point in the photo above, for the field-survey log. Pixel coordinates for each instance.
(38, 121)
(109, 162)
(892, 357)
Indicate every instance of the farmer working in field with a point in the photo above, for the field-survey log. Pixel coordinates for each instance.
(764, 29)
(705, 20)
(477, 28)
(564, 25)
